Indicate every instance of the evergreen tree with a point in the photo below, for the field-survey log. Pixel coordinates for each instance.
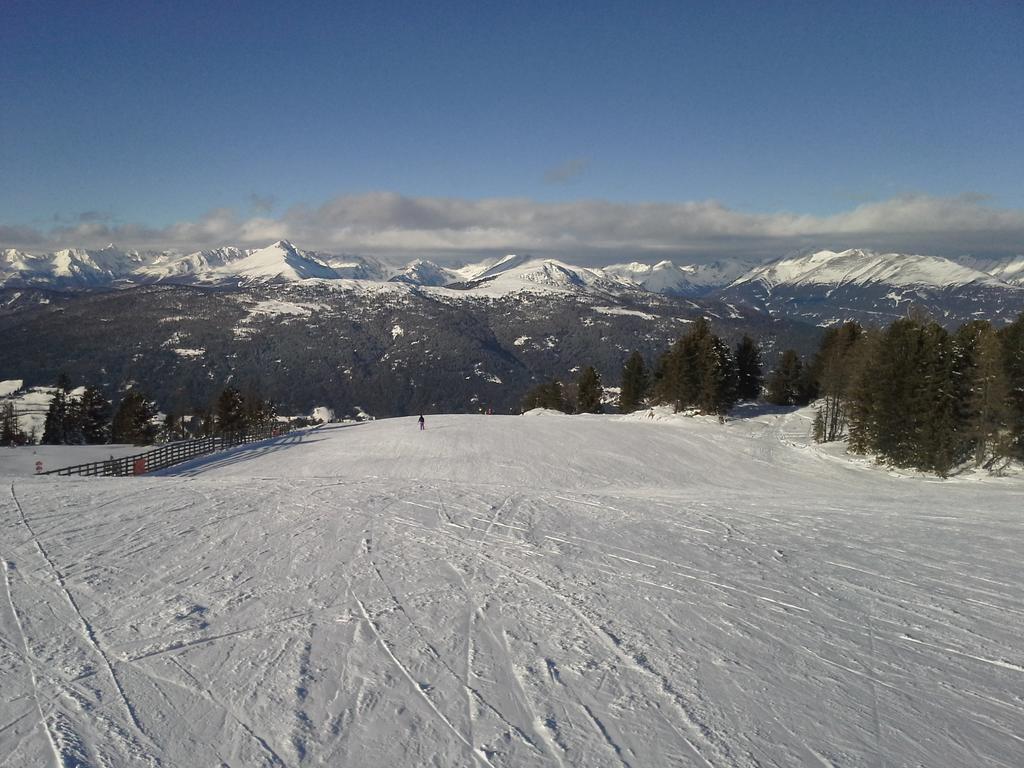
(986, 392)
(717, 377)
(133, 420)
(939, 442)
(259, 414)
(832, 376)
(749, 375)
(895, 387)
(589, 392)
(819, 430)
(635, 383)
(1012, 342)
(915, 415)
(93, 411)
(203, 424)
(554, 397)
(55, 428)
(230, 412)
(858, 402)
(787, 384)
(10, 430)
(697, 372)
(173, 428)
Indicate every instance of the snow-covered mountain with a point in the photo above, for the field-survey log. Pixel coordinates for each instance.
(353, 267)
(68, 268)
(192, 266)
(683, 280)
(422, 272)
(818, 286)
(828, 286)
(862, 267)
(517, 274)
(1009, 270)
(84, 269)
(280, 262)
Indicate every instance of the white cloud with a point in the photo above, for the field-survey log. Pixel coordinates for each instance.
(386, 223)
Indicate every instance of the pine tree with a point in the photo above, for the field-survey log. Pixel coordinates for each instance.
(229, 412)
(697, 372)
(985, 395)
(858, 402)
(819, 430)
(55, 428)
(895, 388)
(172, 428)
(831, 374)
(203, 423)
(939, 442)
(133, 420)
(668, 376)
(635, 383)
(717, 377)
(749, 375)
(589, 392)
(10, 430)
(1012, 341)
(548, 395)
(259, 414)
(94, 417)
(787, 383)
(915, 407)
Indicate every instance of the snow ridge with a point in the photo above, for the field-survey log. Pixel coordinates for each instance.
(863, 267)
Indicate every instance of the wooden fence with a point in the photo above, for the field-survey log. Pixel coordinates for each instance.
(164, 456)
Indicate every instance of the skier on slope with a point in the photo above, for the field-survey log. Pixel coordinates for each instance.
(423, 423)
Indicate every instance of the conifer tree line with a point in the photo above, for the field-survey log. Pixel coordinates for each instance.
(918, 396)
(699, 371)
(11, 432)
(912, 394)
(89, 418)
(585, 395)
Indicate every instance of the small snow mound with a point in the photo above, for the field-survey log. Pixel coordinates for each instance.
(323, 414)
(542, 412)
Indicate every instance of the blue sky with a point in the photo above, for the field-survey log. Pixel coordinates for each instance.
(189, 124)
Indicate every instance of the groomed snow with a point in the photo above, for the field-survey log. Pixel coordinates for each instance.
(505, 591)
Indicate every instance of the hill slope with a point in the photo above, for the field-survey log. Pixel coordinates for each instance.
(514, 591)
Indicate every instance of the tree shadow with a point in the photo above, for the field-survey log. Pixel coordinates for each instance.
(752, 410)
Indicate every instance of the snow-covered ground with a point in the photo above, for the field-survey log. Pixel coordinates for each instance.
(515, 591)
(21, 461)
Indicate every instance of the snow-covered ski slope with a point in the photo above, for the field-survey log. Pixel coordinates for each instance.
(515, 591)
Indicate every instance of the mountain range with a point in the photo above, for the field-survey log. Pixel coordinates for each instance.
(308, 328)
(820, 287)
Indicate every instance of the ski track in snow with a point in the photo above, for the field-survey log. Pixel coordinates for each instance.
(498, 591)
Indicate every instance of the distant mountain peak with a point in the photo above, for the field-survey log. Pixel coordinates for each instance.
(864, 267)
(826, 287)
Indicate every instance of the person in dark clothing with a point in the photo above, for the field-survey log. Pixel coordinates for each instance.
(423, 423)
